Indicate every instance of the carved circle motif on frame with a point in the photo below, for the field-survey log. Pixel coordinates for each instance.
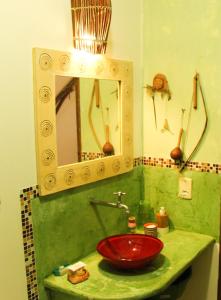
(127, 91)
(45, 61)
(82, 68)
(128, 139)
(99, 68)
(101, 169)
(85, 173)
(64, 62)
(116, 165)
(69, 176)
(127, 114)
(126, 70)
(47, 157)
(45, 94)
(49, 181)
(114, 69)
(46, 128)
(128, 162)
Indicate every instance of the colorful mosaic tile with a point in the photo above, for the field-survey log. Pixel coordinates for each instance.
(91, 155)
(138, 161)
(28, 241)
(169, 163)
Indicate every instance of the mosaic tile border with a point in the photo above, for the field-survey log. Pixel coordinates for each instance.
(26, 195)
(138, 161)
(91, 155)
(162, 162)
(193, 166)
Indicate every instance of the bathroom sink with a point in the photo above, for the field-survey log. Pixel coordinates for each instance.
(130, 251)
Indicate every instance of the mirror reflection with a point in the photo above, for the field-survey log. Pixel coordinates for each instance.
(87, 118)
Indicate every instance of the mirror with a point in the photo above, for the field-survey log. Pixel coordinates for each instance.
(87, 118)
(83, 118)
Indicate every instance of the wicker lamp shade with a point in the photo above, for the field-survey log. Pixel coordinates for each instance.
(91, 22)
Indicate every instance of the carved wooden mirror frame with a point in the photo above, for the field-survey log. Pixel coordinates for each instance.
(49, 63)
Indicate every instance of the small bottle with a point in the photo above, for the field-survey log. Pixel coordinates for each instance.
(162, 221)
(132, 224)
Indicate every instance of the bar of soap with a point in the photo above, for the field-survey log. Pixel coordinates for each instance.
(76, 266)
(77, 272)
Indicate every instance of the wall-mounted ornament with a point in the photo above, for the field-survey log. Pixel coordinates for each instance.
(166, 126)
(177, 153)
(91, 22)
(160, 85)
(194, 105)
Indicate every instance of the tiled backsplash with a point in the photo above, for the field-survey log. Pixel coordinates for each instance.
(169, 163)
(28, 194)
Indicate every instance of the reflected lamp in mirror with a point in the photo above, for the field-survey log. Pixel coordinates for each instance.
(83, 119)
(90, 23)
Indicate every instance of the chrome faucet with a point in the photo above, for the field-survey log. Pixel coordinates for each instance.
(117, 204)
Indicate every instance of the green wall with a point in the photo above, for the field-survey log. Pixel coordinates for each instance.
(200, 214)
(67, 227)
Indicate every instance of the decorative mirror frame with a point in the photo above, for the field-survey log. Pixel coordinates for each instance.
(49, 63)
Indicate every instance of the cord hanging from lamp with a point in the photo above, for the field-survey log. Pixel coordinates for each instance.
(91, 22)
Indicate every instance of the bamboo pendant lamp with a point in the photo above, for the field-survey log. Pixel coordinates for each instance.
(91, 22)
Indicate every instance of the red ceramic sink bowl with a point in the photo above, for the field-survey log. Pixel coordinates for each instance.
(130, 251)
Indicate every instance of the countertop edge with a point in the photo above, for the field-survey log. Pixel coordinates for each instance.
(157, 289)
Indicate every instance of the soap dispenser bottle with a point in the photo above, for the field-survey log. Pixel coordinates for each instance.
(162, 221)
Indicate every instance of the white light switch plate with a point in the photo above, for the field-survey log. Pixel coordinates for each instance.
(185, 188)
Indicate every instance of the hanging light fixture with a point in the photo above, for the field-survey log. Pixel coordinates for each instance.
(91, 22)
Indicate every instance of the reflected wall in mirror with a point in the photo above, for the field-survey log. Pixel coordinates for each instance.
(83, 118)
(68, 125)
(87, 118)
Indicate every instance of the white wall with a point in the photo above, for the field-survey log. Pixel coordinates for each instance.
(47, 24)
(126, 43)
(178, 43)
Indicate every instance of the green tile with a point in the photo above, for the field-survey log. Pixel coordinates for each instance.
(200, 214)
(67, 228)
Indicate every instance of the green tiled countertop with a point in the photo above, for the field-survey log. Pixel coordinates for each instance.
(105, 282)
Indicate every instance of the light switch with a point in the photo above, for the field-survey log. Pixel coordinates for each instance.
(185, 188)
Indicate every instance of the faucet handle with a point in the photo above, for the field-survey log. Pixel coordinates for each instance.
(119, 195)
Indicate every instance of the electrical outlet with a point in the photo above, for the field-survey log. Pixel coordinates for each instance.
(185, 188)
